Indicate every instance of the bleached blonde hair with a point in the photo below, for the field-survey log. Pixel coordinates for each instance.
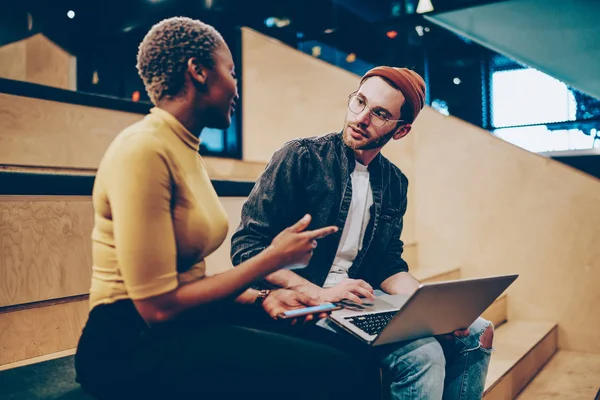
(164, 53)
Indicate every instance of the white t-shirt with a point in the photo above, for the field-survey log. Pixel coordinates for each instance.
(354, 229)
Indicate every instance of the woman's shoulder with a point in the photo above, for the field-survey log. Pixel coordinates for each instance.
(138, 145)
(140, 139)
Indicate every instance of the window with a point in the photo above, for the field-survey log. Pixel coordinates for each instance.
(217, 142)
(538, 138)
(539, 113)
(527, 96)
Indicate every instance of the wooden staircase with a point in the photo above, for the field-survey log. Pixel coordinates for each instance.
(521, 348)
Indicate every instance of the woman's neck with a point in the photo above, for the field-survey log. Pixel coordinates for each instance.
(180, 109)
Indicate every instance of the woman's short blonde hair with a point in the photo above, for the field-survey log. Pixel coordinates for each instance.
(164, 53)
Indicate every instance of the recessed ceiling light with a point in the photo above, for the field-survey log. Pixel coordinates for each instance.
(424, 6)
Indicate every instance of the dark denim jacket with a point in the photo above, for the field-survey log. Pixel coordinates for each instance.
(313, 176)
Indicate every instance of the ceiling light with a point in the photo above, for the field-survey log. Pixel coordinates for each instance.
(281, 22)
(328, 31)
(350, 58)
(420, 30)
(424, 6)
(456, 81)
(392, 34)
(270, 22)
(71, 14)
(278, 22)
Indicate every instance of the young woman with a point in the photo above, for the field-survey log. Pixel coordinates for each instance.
(158, 327)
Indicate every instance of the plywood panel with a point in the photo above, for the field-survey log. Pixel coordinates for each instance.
(40, 135)
(436, 274)
(568, 376)
(401, 153)
(497, 313)
(45, 248)
(39, 331)
(12, 61)
(236, 170)
(494, 208)
(37, 59)
(410, 254)
(288, 94)
(48, 64)
(522, 349)
(36, 132)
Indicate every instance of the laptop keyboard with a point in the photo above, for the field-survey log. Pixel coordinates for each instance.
(372, 323)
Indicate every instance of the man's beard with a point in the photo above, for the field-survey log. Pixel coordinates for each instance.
(370, 144)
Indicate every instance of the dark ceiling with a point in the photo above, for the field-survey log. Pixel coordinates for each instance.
(357, 26)
(104, 36)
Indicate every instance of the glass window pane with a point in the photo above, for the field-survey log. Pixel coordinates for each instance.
(213, 139)
(527, 96)
(539, 139)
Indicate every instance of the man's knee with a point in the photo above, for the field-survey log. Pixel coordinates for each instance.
(432, 355)
(419, 356)
(487, 337)
(481, 335)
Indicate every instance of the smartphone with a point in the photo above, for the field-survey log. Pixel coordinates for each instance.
(301, 312)
(295, 266)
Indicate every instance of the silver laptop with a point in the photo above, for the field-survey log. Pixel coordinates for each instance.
(433, 309)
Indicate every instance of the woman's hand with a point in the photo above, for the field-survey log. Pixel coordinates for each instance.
(282, 300)
(294, 246)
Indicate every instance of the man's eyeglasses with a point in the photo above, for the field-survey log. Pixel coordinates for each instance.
(357, 104)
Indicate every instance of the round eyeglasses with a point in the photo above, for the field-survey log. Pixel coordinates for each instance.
(357, 104)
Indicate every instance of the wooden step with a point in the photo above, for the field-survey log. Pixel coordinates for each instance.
(435, 274)
(43, 328)
(35, 360)
(522, 348)
(569, 375)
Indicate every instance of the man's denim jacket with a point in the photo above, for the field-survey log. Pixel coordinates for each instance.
(313, 176)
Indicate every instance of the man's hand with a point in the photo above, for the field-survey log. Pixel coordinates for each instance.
(461, 333)
(282, 300)
(351, 289)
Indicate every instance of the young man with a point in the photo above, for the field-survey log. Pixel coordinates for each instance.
(342, 179)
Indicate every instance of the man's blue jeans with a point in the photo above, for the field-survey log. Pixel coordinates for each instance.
(431, 368)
